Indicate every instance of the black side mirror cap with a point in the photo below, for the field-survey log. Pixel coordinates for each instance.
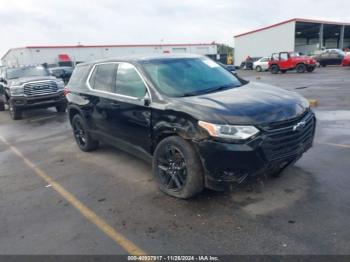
(147, 101)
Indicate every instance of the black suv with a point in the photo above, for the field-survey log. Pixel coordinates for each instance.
(30, 87)
(199, 124)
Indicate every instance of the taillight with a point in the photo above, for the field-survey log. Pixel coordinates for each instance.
(66, 91)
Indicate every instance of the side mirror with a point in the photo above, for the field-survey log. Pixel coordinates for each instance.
(147, 99)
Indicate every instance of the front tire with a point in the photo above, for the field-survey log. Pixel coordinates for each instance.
(15, 113)
(258, 69)
(2, 106)
(61, 108)
(177, 168)
(82, 136)
(301, 68)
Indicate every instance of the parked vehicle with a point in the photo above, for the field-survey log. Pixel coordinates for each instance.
(63, 72)
(200, 125)
(262, 64)
(330, 57)
(285, 61)
(2, 89)
(30, 87)
(248, 64)
(346, 60)
(230, 68)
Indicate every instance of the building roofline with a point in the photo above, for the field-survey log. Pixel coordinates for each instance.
(292, 20)
(103, 46)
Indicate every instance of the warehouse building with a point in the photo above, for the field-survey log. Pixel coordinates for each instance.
(70, 55)
(299, 35)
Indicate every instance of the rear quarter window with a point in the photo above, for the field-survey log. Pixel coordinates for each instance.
(79, 76)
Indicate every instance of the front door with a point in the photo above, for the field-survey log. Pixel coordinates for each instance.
(132, 119)
(284, 61)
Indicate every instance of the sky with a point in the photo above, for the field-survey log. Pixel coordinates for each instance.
(47, 22)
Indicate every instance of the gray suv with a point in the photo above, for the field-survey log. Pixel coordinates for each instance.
(27, 87)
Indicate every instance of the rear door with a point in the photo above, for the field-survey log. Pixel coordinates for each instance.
(102, 84)
(119, 114)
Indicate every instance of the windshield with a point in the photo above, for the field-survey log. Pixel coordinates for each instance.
(189, 76)
(14, 73)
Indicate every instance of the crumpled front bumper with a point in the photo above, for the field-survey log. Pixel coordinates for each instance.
(270, 151)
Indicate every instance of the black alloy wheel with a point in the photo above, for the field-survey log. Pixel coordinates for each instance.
(82, 137)
(177, 168)
(172, 170)
(79, 133)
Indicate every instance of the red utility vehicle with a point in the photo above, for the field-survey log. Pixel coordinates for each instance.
(346, 61)
(285, 61)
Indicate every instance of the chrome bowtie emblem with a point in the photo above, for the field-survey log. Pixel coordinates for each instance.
(299, 126)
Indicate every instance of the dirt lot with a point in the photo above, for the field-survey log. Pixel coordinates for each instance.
(55, 199)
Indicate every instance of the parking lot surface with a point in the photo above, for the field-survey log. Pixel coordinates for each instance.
(305, 211)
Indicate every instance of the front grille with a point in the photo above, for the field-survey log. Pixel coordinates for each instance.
(285, 139)
(40, 88)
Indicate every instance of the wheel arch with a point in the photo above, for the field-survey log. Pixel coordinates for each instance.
(181, 126)
(72, 111)
(301, 63)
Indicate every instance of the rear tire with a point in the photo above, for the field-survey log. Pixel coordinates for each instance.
(82, 136)
(301, 68)
(177, 168)
(274, 69)
(258, 69)
(15, 113)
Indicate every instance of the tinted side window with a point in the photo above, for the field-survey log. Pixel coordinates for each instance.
(103, 77)
(78, 76)
(129, 83)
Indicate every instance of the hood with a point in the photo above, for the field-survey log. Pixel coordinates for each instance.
(23, 80)
(254, 103)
